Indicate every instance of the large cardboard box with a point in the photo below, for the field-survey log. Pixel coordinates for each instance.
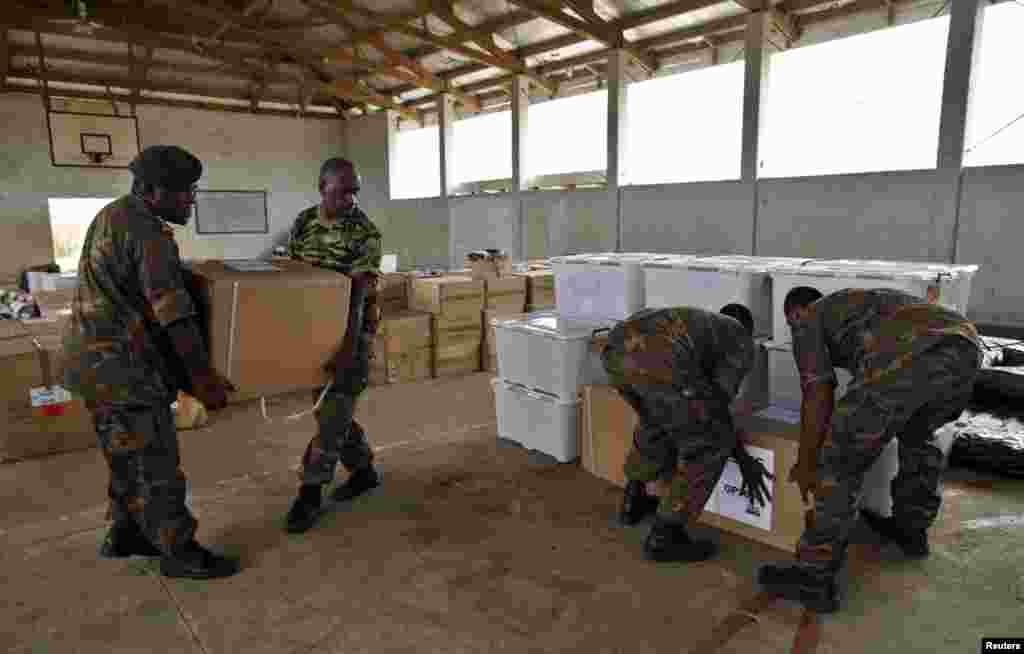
(39, 416)
(271, 331)
(505, 296)
(488, 265)
(540, 289)
(403, 348)
(606, 437)
(456, 300)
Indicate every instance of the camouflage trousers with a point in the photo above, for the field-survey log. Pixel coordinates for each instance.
(909, 404)
(339, 438)
(147, 484)
(684, 434)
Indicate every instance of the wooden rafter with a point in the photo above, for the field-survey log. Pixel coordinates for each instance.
(5, 52)
(602, 32)
(452, 43)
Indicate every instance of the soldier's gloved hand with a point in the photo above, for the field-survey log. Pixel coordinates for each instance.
(754, 474)
(211, 388)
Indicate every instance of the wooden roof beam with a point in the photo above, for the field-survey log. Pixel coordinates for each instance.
(604, 32)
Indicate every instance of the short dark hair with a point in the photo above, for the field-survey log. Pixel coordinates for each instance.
(333, 166)
(801, 296)
(740, 314)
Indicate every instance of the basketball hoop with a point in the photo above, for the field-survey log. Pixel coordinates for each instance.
(97, 147)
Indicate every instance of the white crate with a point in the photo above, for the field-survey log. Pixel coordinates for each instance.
(710, 283)
(548, 353)
(755, 387)
(605, 286)
(535, 420)
(784, 379)
(953, 283)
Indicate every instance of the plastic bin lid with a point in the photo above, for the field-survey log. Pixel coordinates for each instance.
(550, 324)
(882, 270)
(944, 268)
(759, 263)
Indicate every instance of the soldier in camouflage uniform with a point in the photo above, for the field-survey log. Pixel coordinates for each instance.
(133, 328)
(681, 370)
(913, 365)
(338, 235)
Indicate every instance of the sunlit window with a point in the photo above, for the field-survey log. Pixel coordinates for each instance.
(995, 128)
(416, 169)
(69, 220)
(686, 127)
(482, 147)
(568, 135)
(860, 104)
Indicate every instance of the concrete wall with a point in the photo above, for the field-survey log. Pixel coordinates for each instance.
(908, 216)
(239, 152)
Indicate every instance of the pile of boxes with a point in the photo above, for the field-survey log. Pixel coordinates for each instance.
(547, 365)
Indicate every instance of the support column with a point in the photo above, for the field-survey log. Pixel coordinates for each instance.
(446, 124)
(390, 148)
(757, 53)
(962, 48)
(620, 71)
(520, 114)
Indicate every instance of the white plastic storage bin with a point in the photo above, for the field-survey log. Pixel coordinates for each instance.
(755, 387)
(712, 282)
(952, 284)
(548, 353)
(537, 421)
(784, 379)
(606, 286)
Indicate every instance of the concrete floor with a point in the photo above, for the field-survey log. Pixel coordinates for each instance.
(469, 547)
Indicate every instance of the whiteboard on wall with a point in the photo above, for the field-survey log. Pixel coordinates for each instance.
(231, 212)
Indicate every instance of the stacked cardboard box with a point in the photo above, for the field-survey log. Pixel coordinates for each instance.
(505, 297)
(540, 289)
(403, 348)
(455, 303)
(486, 264)
(270, 331)
(606, 436)
(393, 292)
(39, 416)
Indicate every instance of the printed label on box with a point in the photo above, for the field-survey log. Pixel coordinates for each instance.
(43, 396)
(729, 503)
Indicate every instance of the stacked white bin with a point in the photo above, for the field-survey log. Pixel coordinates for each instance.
(607, 286)
(543, 359)
(712, 282)
(949, 284)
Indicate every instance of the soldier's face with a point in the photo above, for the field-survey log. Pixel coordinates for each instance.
(174, 206)
(338, 191)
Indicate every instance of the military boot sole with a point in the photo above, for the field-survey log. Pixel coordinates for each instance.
(124, 547)
(176, 569)
(345, 493)
(820, 595)
(693, 552)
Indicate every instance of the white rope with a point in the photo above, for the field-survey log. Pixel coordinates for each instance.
(300, 414)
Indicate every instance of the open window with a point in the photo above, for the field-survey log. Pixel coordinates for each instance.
(482, 152)
(69, 221)
(416, 168)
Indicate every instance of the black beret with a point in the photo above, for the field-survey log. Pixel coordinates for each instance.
(167, 166)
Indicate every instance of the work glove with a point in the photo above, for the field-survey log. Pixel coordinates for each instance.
(211, 388)
(754, 474)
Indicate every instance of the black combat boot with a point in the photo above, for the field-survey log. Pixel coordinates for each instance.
(306, 509)
(125, 539)
(913, 542)
(670, 542)
(816, 588)
(193, 561)
(636, 504)
(359, 482)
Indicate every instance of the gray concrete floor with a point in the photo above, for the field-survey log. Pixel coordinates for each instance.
(469, 547)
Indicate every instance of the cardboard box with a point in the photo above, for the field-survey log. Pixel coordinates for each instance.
(55, 304)
(457, 300)
(505, 296)
(540, 289)
(606, 437)
(271, 332)
(484, 265)
(393, 292)
(403, 348)
(457, 349)
(40, 417)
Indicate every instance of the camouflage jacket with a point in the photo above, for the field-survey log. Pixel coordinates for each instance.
(702, 353)
(351, 244)
(130, 290)
(870, 333)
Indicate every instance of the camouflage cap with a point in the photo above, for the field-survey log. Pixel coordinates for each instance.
(167, 166)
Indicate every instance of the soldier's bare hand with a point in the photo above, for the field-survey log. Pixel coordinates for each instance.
(805, 475)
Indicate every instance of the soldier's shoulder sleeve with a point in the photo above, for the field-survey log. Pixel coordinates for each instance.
(298, 229)
(158, 264)
(366, 246)
(810, 347)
